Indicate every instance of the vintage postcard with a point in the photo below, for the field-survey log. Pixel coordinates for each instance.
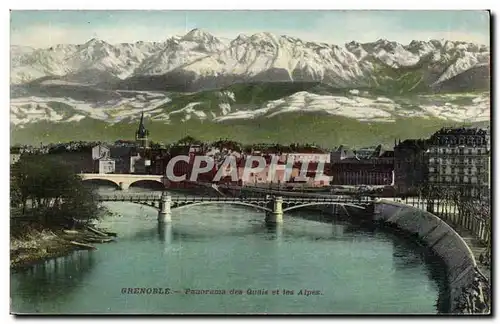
(250, 162)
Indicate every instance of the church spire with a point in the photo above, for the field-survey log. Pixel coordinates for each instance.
(142, 120)
(141, 136)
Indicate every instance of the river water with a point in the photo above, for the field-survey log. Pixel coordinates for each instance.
(229, 249)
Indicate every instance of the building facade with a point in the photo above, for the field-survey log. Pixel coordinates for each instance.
(105, 165)
(458, 158)
(370, 166)
(139, 164)
(371, 172)
(100, 152)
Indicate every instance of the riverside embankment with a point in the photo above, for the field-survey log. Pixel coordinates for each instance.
(32, 242)
(468, 288)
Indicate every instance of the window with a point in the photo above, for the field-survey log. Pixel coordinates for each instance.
(470, 151)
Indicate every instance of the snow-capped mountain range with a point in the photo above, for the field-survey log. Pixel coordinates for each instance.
(199, 60)
(197, 80)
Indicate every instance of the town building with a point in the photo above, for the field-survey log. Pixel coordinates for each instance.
(139, 164)
(342, 152)
(372, 166)
(101, 156)
(106, 165)
(100, 152)
(309, 157)
(121, 155)
(458, 158)
(410, 166)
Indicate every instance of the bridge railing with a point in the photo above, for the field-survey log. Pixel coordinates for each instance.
(155, 197)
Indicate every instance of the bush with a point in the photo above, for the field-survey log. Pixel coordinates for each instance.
(52, 189)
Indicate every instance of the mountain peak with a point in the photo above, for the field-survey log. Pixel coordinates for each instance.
(93, 41)
(353, 43)
(263, 35)
(197, 34)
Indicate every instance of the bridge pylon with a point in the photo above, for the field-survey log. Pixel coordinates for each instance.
(165, 212)
(123, 185)
(276, 216)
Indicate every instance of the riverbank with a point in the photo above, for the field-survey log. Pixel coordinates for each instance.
(36, 247)
(38, 244)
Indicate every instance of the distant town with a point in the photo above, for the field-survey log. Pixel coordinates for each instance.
(451, 157)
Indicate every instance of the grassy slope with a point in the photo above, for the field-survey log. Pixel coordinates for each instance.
(399, 81)
(409, 86)
(248, 93)
(326, 130)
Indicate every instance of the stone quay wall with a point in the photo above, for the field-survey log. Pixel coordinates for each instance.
(468, 288)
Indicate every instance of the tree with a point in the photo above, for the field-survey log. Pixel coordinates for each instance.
(15, 194)
(188, 140)
(54, 190)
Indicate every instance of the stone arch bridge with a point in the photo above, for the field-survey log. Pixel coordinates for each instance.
(124, 181)
(274, 206)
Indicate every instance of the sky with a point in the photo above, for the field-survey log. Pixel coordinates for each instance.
(47, 28)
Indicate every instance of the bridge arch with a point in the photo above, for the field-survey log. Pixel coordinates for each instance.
(100, 181)
(241, 203)
(151, 204)
(155, 205)
(321, 203)
(157, 184)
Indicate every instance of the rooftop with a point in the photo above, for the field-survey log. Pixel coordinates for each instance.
(462, 131)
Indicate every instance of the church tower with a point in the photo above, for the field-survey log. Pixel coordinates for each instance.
(141, 136)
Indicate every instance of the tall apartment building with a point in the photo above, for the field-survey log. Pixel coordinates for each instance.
(459, 158)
